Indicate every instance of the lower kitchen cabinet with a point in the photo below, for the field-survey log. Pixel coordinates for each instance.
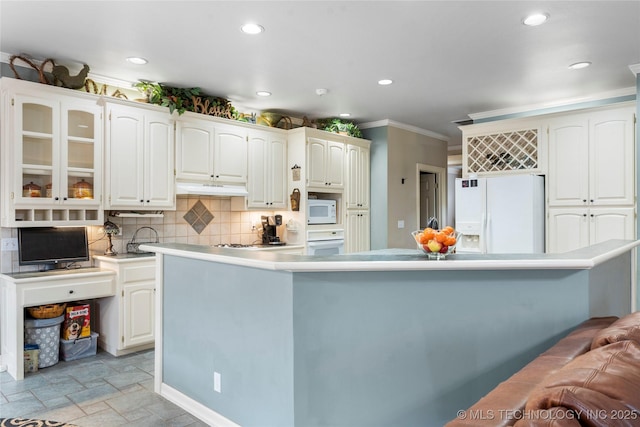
(574, 228)
(127, 320)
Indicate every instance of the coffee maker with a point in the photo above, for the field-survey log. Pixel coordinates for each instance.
(270, 229)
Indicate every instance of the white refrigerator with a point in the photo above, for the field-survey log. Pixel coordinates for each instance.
(500, 214)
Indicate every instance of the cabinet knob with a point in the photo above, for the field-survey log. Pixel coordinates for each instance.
(64, 198)
(591, 200)
(56, 198)
(71, 291)
(147, 201)
(584, 200)
(141, 201)
(584, 215)
(591, 215)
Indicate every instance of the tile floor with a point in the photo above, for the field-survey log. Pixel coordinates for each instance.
(100, 391)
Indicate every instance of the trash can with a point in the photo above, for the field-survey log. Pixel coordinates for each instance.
(45, 333)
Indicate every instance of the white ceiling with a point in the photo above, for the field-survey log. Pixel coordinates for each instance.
(448, 59)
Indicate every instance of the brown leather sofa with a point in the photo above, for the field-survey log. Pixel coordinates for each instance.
(591, 378)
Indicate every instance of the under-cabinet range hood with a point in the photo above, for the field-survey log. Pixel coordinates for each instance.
(210, 189)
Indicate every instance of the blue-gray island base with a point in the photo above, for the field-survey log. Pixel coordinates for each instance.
(377, 346)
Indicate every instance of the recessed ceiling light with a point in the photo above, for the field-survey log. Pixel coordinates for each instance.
(345, 114)
(385, 82)
(137, 60)
(579, 65)
(252, 28)
(263, 93)
(536, 19)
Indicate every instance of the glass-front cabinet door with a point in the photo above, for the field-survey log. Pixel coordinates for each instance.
(52, 156)
(38, 127)
(81, 154)
(58, 146)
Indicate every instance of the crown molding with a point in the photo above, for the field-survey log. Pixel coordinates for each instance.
(414, 129)
(562, 103)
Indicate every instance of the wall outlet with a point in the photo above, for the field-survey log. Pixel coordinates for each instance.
(401, 223)
(9, 244)
(217, 386)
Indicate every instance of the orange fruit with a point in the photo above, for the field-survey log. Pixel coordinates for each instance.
(450, 241)
(448, 229)
(429, 234)
(440, 237)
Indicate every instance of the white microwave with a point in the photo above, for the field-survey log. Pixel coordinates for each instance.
(321, 211)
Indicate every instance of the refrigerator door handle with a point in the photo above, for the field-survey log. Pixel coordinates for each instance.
(487, 233)
(483, 234)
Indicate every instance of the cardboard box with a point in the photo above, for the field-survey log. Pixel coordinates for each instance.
(31, 357)
(77, 322)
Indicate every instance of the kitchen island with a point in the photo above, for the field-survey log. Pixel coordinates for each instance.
(376, 339)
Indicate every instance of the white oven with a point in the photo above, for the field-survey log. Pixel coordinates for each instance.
(325, 242)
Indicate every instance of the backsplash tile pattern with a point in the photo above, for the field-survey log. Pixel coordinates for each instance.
(226, 226)
(198, 217)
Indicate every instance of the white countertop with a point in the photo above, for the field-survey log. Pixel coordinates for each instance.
(398, 259)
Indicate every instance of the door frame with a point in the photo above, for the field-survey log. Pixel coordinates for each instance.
(441, 179)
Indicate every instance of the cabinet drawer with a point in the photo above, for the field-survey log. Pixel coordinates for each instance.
(62, 292)
(139, 272)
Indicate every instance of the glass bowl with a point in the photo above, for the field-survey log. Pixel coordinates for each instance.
(433, 248)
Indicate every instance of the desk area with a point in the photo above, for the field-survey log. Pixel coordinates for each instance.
(21, 290)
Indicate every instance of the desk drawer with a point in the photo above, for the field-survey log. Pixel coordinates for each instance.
(62, 292)
(137, 272)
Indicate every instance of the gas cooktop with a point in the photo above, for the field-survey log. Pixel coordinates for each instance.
(233, 245)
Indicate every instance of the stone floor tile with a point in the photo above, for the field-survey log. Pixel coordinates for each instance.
(96, 407)
(20, 407)
(105, 418)
(185, 420)
(131, 401)
(125, 379)
(62, 388)
(93, 395)
(29, 382)
(20, 396)
(65, 414)
(165, 410)
(136, 414)
(57, 402)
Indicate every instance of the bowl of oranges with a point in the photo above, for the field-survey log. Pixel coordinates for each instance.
(437, 244)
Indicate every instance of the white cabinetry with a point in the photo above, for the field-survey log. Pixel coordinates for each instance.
(52, 144)
(357, 177)
(357, 198)
(267, 170)
(139, 158)
(325, 164)
(591, 159)
(357, 231)
(574, 228)
(207, 151)
(127, 321)
(591, 180)
(21, 290)
(502, 148)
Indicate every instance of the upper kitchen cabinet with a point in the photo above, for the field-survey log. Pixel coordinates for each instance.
(591, 158)
(267, 184)
(209, 151)
(503, 148)
(357, 194)
(325, 164)
(139, 157)
(52, 156)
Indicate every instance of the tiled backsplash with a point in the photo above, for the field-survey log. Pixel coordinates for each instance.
(226, 227)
